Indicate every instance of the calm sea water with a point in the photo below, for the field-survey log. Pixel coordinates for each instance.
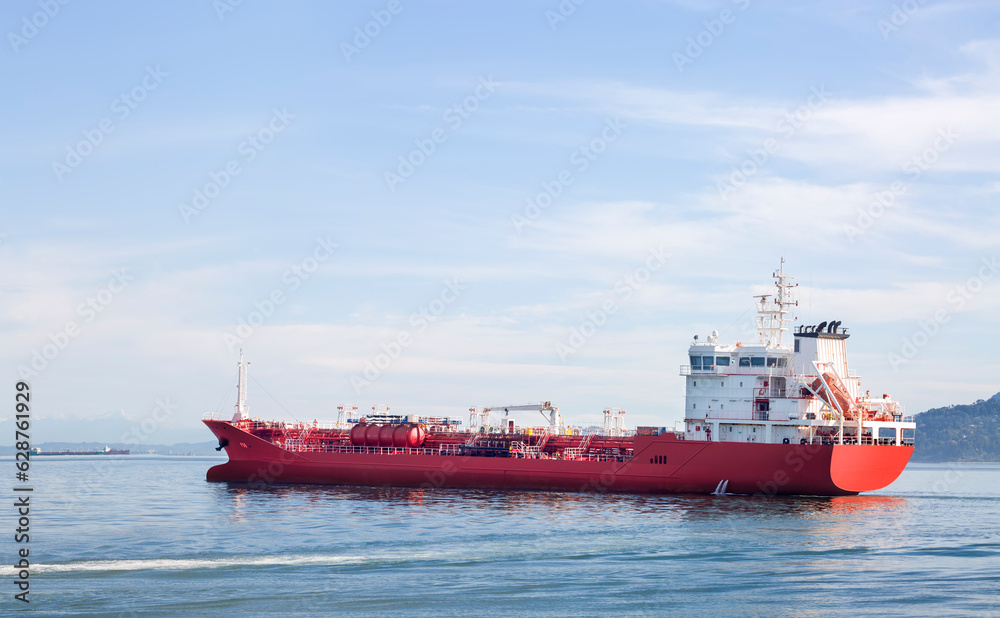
(147, 535)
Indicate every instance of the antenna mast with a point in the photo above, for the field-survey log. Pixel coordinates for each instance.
(771, 316)
(241, 389)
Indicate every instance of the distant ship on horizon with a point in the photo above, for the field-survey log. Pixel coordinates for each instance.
(107, 451)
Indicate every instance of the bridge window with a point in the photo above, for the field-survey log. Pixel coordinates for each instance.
(707, 362)
(772, 362)
(757, 361)
(744, 361)
(695, 362)
(796, 345)
(722, 361)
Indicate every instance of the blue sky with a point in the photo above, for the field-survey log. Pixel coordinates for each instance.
(460, 188)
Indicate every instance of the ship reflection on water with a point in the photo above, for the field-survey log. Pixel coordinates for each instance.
(684, 508)
(342, 529)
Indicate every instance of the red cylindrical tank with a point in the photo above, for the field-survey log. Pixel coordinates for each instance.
(399, 436)
(385, 435)
(416, 436)
(358, 435)
(410, 435)
(371, 435)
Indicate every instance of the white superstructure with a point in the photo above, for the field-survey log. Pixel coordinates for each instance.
(771, 392)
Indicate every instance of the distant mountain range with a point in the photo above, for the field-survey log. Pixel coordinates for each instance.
(959, 433)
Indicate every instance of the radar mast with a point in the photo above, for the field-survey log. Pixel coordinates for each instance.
(771, 316)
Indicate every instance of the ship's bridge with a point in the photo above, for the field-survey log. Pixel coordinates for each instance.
(735, 381)
(735, 360)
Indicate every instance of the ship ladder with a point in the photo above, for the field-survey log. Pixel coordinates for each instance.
(535, 450)
(540, 445)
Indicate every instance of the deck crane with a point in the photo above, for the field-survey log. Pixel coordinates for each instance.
(550, 413)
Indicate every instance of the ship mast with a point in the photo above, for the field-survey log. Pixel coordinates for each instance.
(241, 389)
(771, 317)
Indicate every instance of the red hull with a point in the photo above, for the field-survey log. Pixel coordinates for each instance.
(691, 467)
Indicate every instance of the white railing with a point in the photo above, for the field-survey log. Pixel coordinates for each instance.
(771, 392)
(296, 447)
(724, 370)
(445, 450)
(259, 424)
(853, 440)
(327, 425)
(217, 416)
(572, 456)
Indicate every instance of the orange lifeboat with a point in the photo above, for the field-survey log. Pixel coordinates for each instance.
(840, 394)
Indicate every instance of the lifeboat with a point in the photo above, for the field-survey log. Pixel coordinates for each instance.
(840, 394)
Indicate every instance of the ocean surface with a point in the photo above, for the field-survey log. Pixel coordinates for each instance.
(146, 535)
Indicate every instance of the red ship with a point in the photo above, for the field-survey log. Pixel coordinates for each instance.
(760, 418)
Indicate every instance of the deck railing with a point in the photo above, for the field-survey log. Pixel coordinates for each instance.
(864, 441)
(445, 449)
(735, 370)
(228, 418)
